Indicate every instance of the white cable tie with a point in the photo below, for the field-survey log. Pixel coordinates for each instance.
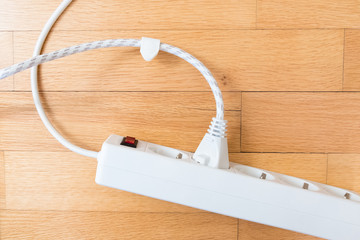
(149, 48)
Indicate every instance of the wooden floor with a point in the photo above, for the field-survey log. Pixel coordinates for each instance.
(290, 76)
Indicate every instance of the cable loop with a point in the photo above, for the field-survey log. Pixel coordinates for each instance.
(38, 59)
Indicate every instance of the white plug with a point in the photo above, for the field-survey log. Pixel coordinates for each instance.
(213, 149)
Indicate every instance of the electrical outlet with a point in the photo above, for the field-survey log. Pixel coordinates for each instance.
(240, 191)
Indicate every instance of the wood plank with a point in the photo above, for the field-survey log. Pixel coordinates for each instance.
(251, 230)
(352, 60)
(107, 14)
(107, 225)
(307, 166)
(176, 119)
(301, 122)
(2, 181)
(241, 60)
(50, 192)
(65, 181)
(78, 190)
(308, 14)
(343, 171)
(6, 59)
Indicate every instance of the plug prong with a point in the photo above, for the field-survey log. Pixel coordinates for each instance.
(347, 195)
(263, 176)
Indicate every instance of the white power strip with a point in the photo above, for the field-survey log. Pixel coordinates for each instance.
(241, 191)
(205, 179)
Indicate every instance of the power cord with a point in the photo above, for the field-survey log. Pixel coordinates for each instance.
(217, 128)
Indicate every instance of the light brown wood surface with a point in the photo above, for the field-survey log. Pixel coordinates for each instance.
(88, 118)
(6, 59)
(2, 181)
(301, 122)
(352, 60)
(308, 14)
(290, 76)
(115, 225)
(241, 60)
(108, 14)
(343, 171)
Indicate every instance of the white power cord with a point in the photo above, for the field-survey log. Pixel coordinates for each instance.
(34, 83)
(217, 128)
(39, 59)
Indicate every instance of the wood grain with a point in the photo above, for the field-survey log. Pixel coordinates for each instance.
(301, 122)
(112, 225)
(292, 60)
(6, 59)
(107, 14)
(66, 181)
(242, 60)
(2, 182)
(88, 118)
(33, 181)
(352, 60)
(251, 231)
(343, 171)
(308, 14)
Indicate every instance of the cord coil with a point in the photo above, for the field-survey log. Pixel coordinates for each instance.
(218, 128)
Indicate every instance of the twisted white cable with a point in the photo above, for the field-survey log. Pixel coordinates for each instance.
(39, 59)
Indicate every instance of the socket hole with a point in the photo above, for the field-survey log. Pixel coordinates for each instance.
(342, 193)
(167, 152)
(255, 172)
(300, 183)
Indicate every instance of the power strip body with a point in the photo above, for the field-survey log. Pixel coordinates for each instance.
(242, 192)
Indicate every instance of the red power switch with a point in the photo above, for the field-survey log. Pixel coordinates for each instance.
(129, 141)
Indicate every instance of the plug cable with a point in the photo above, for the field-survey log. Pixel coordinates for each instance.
(38, 59)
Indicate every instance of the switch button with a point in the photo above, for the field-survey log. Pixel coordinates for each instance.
(129, 141)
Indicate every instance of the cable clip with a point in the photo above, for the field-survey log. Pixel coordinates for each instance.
(149, 48)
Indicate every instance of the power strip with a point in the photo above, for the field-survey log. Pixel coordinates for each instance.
(241, 191)
(205, 179)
